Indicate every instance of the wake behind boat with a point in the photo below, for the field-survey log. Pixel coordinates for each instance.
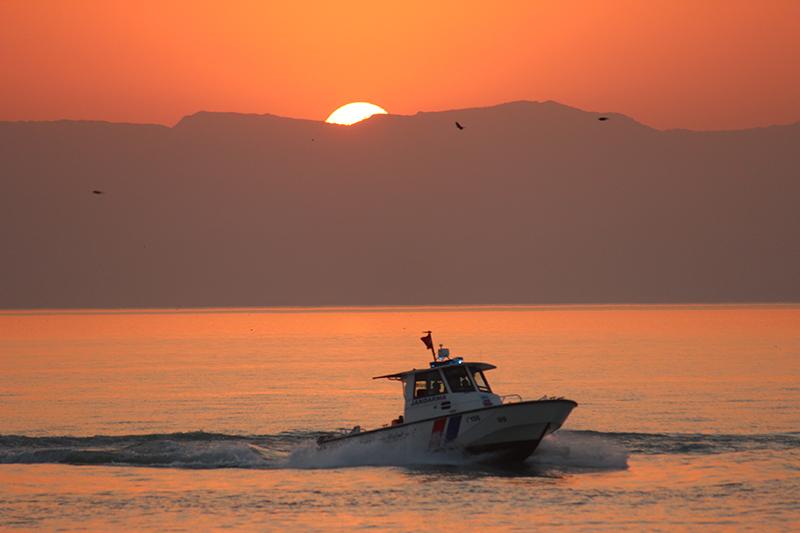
(450, 406)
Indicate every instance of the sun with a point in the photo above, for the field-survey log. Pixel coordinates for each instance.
(355, 112)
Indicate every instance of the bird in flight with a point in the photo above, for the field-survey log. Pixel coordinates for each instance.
(459, 126)
(603, 118)
(97, 192)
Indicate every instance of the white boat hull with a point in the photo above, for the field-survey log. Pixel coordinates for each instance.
(507, 432)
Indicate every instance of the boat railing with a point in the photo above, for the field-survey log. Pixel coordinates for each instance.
(511, 398)
(349, 431)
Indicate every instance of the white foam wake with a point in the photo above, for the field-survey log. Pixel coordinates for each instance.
(580, 449)
(376, 453)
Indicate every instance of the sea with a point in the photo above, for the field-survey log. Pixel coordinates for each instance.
(688, 419)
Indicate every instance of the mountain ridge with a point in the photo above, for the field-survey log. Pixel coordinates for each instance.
(531, 203)
(255, 116)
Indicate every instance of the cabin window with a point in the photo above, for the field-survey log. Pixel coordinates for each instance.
(428, 384)
(480, 381)
(458, 379)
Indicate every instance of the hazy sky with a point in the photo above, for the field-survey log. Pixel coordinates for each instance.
(709, 64)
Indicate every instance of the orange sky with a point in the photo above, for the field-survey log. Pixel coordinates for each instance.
(709, 64)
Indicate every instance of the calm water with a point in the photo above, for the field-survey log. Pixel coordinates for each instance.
(688, 419)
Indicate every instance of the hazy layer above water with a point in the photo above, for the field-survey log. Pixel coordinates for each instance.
(529, 203)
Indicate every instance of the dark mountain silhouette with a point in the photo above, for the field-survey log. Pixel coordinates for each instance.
(533, 203)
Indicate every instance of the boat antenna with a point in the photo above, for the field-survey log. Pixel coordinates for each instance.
(429, 343)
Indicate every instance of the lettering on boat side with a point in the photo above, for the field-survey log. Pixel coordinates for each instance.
(421, 401)
(395, 437)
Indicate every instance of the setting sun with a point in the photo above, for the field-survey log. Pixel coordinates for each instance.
(355, 112)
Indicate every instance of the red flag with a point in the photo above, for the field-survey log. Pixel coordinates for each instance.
(428, 341)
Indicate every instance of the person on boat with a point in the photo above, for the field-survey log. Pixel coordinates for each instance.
(398, 420)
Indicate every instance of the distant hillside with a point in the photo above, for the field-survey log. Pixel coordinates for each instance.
(529, 203)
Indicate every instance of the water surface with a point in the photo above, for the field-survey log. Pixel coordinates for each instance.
(200, 420)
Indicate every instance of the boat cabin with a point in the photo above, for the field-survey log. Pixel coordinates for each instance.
(449, 386)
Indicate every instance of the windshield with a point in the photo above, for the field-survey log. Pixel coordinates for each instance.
(458, 379)
(480, 380)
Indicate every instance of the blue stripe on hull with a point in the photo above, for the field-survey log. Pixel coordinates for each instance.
(453, 425)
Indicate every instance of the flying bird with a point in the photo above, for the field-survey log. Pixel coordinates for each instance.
(603, 118)
(459, 126)
(97, 192)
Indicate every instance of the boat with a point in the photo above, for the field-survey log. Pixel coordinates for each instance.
(449, 406)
